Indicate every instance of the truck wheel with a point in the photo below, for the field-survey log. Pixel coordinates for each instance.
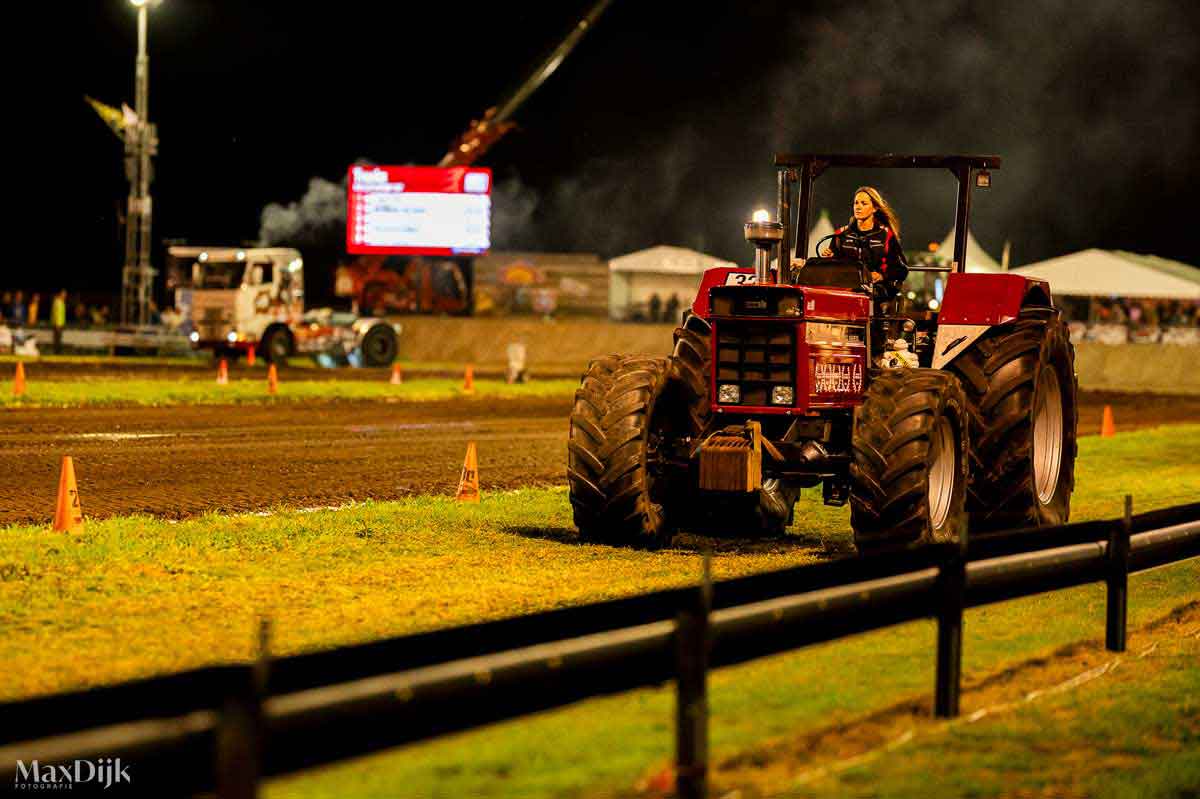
(1021, 393)
(276, 344)
(908, 480)
(627, 412)
(379, 345)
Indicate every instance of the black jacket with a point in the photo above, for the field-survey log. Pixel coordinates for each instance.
(879, 248)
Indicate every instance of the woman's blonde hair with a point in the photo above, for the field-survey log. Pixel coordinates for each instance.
(883, 212)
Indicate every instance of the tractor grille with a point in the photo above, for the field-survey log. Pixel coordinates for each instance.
(756, 356)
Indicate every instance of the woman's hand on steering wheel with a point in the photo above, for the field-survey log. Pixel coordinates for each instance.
(825, 252)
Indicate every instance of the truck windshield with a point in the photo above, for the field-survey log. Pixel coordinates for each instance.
(217, 275)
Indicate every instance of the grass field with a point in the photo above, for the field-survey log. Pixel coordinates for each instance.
(133, 391)
(136, 596)
(1131, 730)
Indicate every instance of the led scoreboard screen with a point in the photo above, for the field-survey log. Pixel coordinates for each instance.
(418, 210)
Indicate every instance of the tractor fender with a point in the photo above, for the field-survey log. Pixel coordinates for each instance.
(972, 304)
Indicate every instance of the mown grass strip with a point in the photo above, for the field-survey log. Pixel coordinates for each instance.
(134, 391)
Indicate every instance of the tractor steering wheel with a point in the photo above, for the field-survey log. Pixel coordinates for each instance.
(822, 240)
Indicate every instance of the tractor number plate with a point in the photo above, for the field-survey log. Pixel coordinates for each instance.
(740, 279)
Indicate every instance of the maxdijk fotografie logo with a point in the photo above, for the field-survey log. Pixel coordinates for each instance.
(104, 772)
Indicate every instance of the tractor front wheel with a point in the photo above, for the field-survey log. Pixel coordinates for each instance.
(908, 481)
(627, 414)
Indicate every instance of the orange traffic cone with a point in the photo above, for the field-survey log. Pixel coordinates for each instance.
(397, 375)
(19, 381)
(250, 357)
(1107, 428)
(469, 380)
(223, 372)
(68, 516)
(272, 380)
(468, 484)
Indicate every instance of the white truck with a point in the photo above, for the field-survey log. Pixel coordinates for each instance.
(232, 300)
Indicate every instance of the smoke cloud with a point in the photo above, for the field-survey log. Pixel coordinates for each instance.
(317, 217)
(1091, 105)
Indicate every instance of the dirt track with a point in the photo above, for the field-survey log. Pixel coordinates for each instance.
(180, 461)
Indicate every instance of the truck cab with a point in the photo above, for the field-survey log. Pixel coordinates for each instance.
(237, 300)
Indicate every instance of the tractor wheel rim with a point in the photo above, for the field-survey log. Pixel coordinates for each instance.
(941, 473)
(1047, 435)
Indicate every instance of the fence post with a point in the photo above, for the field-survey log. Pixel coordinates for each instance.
(1118, 580)
(952, 581)
(240, 729)
(691, 691)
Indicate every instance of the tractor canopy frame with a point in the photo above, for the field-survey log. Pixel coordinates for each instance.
(805, 168)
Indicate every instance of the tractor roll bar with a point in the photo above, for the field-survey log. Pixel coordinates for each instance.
(810, 166)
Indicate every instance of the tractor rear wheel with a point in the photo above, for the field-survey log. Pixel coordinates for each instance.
(1021, 392)
(908, 480)
(623, 420)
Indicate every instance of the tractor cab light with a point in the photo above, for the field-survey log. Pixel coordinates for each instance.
(983, 179)
(782, 395)
(729, 394)
(761, 215)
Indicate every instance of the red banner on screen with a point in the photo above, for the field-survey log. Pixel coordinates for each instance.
(418, 210)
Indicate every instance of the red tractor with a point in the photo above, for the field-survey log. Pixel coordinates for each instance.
(793, 374)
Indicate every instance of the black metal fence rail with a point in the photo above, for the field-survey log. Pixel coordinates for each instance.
(225, 727)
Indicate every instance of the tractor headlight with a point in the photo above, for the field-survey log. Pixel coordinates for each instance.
(729, 394)
(782, 395)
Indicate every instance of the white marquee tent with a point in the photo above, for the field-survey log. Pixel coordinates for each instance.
(819, 231)
(1113, 273)
(977, 258)
(663, 271)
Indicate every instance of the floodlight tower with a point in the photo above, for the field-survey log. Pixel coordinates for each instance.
(141, 142)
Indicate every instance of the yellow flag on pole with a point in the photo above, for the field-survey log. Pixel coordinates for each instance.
(111, 116)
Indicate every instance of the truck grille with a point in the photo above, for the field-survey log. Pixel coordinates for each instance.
(757, 357)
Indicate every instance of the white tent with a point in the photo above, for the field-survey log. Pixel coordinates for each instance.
(977, 259)
(1112, 273)
(663, 271)
(819, 231)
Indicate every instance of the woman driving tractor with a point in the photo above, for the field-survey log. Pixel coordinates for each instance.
(872, 237)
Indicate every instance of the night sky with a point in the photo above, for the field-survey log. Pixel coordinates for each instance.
(659, 129)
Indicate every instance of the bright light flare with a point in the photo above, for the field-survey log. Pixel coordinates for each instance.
(761, 215)
(933, 305)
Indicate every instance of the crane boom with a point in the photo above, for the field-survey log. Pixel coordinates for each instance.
(481, 134)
